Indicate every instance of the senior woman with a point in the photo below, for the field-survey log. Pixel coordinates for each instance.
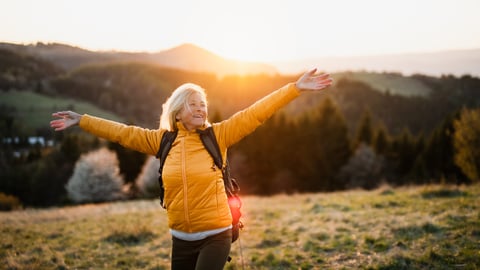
(199, 217)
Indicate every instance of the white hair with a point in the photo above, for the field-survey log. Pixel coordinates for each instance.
(176, 102)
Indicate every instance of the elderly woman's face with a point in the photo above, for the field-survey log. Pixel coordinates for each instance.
(194, 114)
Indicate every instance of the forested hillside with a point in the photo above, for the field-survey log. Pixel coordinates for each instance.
(186, 56)
(367, 129)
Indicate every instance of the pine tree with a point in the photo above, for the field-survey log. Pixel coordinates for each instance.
(438, 154)
(365, 132)
(404, 155)
(266, 152)
(326, 148)
(381, 140)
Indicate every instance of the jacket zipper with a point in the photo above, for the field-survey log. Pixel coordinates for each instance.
(185, 189)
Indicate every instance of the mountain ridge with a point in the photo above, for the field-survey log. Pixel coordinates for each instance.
(186, 56)
(191, 57)
(451, 62)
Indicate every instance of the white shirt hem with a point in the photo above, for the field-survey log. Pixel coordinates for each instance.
(197, 235)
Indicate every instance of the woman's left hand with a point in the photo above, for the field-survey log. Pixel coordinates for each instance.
(314, 82)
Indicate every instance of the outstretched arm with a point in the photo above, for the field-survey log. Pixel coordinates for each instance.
(132, 137)
(67, 119)
(246, 121)
(314, 82)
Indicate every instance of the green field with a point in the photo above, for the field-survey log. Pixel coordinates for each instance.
(428, 227)
(34, 111)
(394, 83)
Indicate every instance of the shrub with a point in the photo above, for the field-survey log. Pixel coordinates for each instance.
(363, 170)
(147, 180)
(96, 178)
(9, 202)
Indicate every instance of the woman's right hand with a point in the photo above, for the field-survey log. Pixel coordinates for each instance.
(67, 119)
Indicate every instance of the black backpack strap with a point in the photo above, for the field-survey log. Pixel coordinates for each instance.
(210, 143)
(165, 145)
(209, 140)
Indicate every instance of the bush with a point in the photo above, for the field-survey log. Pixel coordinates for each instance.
(147, 180)
(363, 170)
(96, 178)
(9, 202)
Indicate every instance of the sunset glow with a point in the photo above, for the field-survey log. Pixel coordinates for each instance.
(272, 30)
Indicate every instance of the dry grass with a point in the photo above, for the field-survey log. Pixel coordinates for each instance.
(430, 227)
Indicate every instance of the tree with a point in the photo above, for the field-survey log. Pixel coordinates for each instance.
(266, 158)
(365, 129)
(381, 140)
(466, 141)
(96, 178)
(324, 148)
(402, 156)
(438, 154)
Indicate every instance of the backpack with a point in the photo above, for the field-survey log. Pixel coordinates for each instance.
(232, 188)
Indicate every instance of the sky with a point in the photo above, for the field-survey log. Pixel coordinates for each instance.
(249, 30)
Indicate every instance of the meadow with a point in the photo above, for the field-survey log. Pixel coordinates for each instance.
(425, 227)
(34, 110)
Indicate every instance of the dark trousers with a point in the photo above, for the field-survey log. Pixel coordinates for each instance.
(210, 253)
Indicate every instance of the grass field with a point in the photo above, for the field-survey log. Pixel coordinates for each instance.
(428, 227)
(395, 83)
(35, 111)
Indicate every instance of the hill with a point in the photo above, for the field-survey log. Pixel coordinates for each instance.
(393, 83)
(34, 111)
(135, 90)
(64, 56)
(457, 63)
(186, 57)
(193, 58)
(425, 227)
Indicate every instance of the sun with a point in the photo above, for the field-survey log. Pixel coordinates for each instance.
(236, 40)
(242, 31)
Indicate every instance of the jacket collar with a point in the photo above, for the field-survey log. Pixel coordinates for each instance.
(183, 129)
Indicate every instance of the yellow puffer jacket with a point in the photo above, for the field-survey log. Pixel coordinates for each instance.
(194, 192)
